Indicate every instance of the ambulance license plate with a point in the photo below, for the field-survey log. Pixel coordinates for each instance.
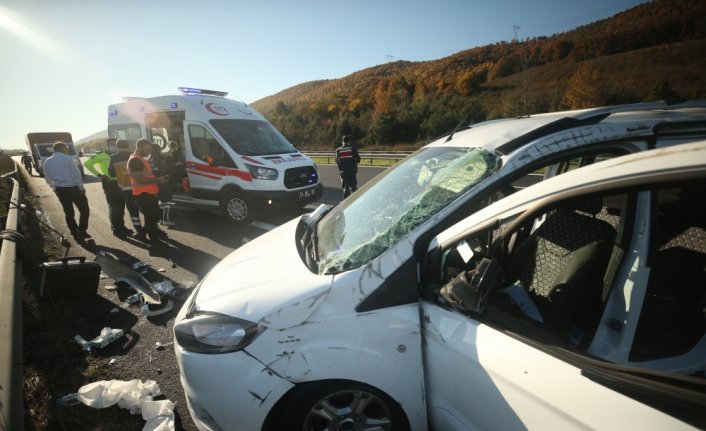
(306, 193)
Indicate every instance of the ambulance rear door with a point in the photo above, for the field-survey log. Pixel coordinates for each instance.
(163, 127)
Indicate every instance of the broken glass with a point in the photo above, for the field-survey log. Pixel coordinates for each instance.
(363, 226)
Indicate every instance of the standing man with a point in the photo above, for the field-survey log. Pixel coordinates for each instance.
(347, 159)
(145, 187)
(118, 169)
(27, 162)
(113, 196)
(64, 177)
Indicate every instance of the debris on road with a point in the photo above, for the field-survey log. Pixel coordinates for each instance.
(137, 297)
(139, 265)
(133, 395)
(107, 336)
(68, 400)
(155, 298)
(121, 272)
(160, 346)
(151, 310)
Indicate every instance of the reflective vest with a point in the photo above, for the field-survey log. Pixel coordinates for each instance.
(137, 188)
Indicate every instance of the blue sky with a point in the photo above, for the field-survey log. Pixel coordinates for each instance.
(62, 62)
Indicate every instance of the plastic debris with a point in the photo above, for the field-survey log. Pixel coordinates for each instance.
(162, 270)
(103, 276)
(164, 287)
(115, 310)
(160, 346)
(107, 336)
(112, 361)
(122, 273)
(158, 414)
(139, 265)
(111, 287)
(151, 310)
(137, 297)
(133, 395)
(85, 345)
(68, 400)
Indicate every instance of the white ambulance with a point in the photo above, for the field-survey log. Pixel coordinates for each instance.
(228, 154)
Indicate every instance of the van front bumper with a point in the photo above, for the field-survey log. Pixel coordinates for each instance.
(230, 391)
(299, 196)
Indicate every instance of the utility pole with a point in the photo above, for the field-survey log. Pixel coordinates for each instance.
(390, 58)
(515, 29)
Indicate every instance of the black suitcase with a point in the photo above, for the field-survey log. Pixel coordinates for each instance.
(69, 278)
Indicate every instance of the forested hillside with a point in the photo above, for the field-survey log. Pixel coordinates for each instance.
(650, 52)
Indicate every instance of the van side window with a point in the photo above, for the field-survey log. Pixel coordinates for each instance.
(129, 132)
(205, 147)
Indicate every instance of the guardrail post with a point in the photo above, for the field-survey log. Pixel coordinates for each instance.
(11, 374)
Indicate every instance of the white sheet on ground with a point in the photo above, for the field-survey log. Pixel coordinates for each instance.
(133, 395)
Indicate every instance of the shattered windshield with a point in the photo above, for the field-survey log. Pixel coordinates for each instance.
(252, 137)
(366, 224)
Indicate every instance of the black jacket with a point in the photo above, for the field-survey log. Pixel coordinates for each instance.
(347, 158)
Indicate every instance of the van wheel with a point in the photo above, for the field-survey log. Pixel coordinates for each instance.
(341, 405)
(237, 208)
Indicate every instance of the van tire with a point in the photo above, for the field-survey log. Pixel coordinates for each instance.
(237, 207)
(306, 400)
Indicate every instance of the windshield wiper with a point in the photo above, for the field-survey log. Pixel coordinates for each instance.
(459, 125)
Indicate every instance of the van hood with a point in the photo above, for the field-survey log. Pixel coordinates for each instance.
(264, 281)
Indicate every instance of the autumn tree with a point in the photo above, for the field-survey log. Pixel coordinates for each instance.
(584, 88)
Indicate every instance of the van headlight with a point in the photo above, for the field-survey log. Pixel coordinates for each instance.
(208, 332)
(262, 173)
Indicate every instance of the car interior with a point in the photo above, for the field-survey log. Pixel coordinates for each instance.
(547, 274)
(673, 317)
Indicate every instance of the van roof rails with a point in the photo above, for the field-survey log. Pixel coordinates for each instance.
(188, 91)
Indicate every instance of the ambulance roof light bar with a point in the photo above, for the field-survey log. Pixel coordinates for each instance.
(188, 91)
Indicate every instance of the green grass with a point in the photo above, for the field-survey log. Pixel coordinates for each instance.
(6, 165)
(363, 162)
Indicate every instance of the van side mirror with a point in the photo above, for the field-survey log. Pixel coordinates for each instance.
(470, 289)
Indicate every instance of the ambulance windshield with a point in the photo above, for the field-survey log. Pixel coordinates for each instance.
(252, 137)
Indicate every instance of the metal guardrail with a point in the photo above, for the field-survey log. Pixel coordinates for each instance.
(11, 378)
(368, 156)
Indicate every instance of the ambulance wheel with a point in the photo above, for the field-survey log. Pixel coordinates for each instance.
(237, 208)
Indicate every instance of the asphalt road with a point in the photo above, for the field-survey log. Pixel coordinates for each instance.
(198, 241)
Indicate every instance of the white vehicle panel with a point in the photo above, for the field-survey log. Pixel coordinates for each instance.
(267, 279)
(490, 381)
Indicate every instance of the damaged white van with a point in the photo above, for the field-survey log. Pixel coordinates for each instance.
(446, 295)
(228, 155)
